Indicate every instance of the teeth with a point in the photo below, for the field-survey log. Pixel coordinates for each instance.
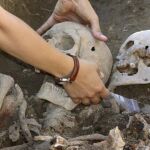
(122, 64)
(132, 65)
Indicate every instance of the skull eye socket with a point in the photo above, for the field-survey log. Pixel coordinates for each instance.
(129, 44)
(65, 43)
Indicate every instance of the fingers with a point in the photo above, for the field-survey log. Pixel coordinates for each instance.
(88, 101)
(96, 100)
(104, 92)
(76, 101)
(49, 23)
(96, 29)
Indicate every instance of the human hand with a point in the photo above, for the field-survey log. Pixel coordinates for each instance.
(74, 10)
(88, 87)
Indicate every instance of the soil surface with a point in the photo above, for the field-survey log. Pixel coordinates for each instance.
(118, 20)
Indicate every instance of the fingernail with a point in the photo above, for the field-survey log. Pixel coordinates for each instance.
(100, 36)
(103, 37)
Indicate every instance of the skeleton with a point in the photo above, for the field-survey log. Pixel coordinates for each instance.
(77, 40)
(133, 61)
(12, 110)
(113, 142)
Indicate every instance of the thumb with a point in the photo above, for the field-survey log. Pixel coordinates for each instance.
(96, 31)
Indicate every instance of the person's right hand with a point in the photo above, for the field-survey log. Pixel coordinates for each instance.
(88, 87)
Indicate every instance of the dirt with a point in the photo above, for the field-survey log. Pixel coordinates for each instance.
(118, 20)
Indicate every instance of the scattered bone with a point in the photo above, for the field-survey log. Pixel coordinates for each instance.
(141, 146)
(92, 112)
(146, 128)
(23, 124)
(27, 125)
(14, 134)
(34, 126)
(41, 146)
(19, 147)
(33, 122)
(43, 138)
(60, 143)
(58, 118)
(7, 110)
(77, 40)
(6, 82)
(19, 95)
(115, 139)
(56, 94)
(92, 137)
(10, 104)
(82, 147)
(131, 118)
(113, 142)
(77, 143)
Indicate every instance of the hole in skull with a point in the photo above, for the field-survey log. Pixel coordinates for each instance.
(129, 44)
(65, 43)
(93, 49)
(146, 47)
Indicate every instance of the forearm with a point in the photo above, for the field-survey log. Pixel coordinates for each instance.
(19, 40)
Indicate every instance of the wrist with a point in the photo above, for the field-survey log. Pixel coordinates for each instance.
(65, 67)
(71, 76)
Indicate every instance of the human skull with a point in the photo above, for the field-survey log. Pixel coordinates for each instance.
(77, 40)
(133, 61)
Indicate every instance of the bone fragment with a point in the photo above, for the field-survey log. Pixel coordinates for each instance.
(146, 128)
(131, 118)
(55, 94)
(61, 143)
(19, 95)
(43, 138)
(58, 118)
(19, 147)
(6, 82)
(92, 137)
(14, 132)
(8, 107)
(114, 141)
(23, 123)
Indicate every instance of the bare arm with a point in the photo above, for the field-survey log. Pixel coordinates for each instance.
(19, 40)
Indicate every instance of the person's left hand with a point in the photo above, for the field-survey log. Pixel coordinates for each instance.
(74, 10)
